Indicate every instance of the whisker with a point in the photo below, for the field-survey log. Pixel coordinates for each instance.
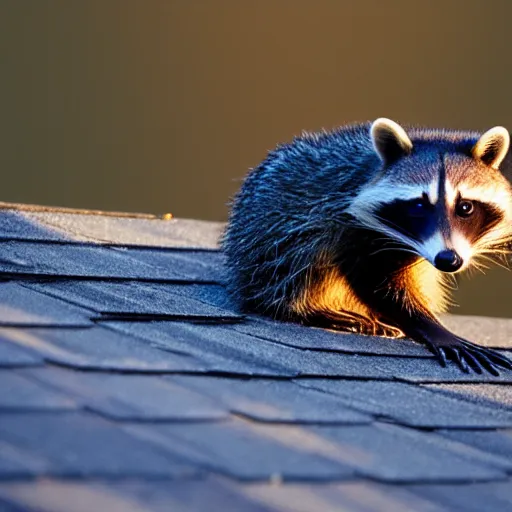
(492, 260)
(478, 265)
(396, 249)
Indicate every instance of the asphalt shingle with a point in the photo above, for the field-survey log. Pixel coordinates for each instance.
(386, 453)
(75, 260)
(22, 307)
(20, 393)
(228, 496)
(312, 338)
(127, 371)
(131, 397)
(133, 299)
(68, 260)
(135, 496)
(430, 371)
(200, 266)
(229, 353)
(64, 496)
(11, 507)
(410, 404)
(491, 395)
(489, 332)
(18, 463)
(12, 355)
(131, 231)
(232, 352)
(243, 354)
(15, 225)
(213, 294)
(497, 443)
(243, 451)
(101, 349)
(274, 400)
(77, 444)
(358, 496)
(390, 453)
(495, 496)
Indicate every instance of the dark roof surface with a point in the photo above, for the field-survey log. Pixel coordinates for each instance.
(129, 383)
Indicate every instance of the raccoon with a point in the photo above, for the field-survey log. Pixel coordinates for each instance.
(359, 229)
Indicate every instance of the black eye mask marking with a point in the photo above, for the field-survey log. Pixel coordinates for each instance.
(415, 218)
(418, 219)
(482, 219)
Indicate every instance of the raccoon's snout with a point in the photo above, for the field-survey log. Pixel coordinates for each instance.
(448, 261)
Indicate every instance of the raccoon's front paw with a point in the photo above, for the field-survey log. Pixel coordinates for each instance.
(468, 355)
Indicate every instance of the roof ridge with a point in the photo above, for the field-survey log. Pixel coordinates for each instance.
(80, 211)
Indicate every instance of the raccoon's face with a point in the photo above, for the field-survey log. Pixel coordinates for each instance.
(443, 198)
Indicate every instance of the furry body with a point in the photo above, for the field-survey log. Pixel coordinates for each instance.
(345, 228)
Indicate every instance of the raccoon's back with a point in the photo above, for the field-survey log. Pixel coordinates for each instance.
(289, 210)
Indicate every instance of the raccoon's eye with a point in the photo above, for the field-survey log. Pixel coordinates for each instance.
(464, 208)
(418, 207)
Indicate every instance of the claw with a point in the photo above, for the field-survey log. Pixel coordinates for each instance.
(467, 355)
(497, 358)
(490, 358)
(484, 362)
(448, 346)
(473, 363)
(441, 355)
(487, 363)
(437, 353)
(459, 359)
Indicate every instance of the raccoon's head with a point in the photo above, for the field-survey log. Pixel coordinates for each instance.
(439, 193)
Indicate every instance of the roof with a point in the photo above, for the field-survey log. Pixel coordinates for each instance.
(130, 383)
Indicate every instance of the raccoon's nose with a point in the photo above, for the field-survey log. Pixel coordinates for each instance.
(448, 261)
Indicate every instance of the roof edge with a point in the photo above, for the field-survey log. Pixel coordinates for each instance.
(81, 211)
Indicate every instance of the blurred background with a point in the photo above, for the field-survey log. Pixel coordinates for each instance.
(163, 105)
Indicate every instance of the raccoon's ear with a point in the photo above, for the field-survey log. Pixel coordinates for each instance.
(492, 146)
(389, 140)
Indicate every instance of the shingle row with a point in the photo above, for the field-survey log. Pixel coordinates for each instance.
(198, 495)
